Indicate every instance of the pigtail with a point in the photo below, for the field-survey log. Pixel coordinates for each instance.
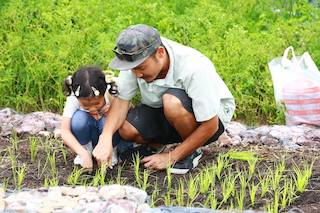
(68, 85)
(112, 83)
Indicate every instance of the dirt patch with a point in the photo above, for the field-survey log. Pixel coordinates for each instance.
(38, 172)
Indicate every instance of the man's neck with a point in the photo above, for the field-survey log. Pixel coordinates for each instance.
(165, 68)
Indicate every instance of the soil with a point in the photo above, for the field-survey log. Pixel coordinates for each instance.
(307, 201)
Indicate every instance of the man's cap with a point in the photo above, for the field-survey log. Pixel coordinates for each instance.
(134, 45)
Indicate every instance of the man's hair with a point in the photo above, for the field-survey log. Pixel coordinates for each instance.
(153, 55)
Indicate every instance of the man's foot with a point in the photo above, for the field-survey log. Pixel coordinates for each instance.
(142, 151)
(88, 147)
(184, 165)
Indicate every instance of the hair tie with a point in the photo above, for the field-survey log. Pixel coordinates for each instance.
(68, 80)
(77, 92)
(108, 75)
(95, 91)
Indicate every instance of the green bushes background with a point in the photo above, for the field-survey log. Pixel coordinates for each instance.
(42, 42)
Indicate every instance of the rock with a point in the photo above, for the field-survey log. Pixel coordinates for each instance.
(76, 199)
(234, 128)
(47, 124)
(224, 140)
(30, 125)
(137, 195)
(35, 123)
(2, 205)
(112, 191)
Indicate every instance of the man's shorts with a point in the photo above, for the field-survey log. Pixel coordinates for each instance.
(153, 125)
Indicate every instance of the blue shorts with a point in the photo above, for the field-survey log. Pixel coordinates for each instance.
(153, 125)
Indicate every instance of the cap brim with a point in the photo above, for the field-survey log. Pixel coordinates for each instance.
(118, 64)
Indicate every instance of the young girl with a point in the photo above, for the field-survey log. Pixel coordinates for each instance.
(88, 99)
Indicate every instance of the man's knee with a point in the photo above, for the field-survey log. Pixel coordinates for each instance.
(173, 107)
(127, 131)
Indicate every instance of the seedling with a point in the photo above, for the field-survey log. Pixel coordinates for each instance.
(33, 148)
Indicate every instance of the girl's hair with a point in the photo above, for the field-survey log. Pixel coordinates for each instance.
(88, 82)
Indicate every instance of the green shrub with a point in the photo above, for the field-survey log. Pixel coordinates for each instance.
(42, 42)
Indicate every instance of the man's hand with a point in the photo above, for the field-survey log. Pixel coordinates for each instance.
(157, 161)
(103, 153)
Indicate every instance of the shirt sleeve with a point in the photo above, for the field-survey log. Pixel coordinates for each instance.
(72, 105)
(202, 88)
(127, 85)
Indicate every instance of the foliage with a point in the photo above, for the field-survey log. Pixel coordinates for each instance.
(42, 42)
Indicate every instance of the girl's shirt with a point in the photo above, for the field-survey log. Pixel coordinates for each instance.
(72, 105)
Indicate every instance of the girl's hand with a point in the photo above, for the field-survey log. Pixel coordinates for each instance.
(86, 162)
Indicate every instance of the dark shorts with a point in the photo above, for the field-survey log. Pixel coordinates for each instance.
(153, 125)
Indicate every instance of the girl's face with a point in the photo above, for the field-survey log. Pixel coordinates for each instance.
(92, 104)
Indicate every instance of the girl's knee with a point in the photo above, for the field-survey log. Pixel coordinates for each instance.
(79, 120)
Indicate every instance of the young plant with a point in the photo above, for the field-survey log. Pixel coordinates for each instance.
(206, 178)
(136, 165)
(253, 191)
(154, 194)
(15, 141)
(301, 177)
(169, 178)
(119, 180)
(18, 175)
(240, 196)
(276, 200)
(179, 193)
(228, 186)
(100, 176)
(52, 162)
(167, 198)
(51, 181)
(12, 156)
(212, 201)
(193, 191)
(64, 154)
(33, 148)
(277, 173)
(264, 181)
(222, 163)
(5, 182)
(41, 169)
(252, 166)
(74, 176)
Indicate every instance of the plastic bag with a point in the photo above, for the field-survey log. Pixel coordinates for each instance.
(296, 84)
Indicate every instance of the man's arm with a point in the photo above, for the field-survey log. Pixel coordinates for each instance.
(114, 119)
(189, 145)
(195, 140)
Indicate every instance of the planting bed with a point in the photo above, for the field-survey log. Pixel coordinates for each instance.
(35, 174)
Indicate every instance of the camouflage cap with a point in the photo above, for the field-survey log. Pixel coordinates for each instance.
(134, 45)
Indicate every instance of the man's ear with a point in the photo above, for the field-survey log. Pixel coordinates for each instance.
(161, 51)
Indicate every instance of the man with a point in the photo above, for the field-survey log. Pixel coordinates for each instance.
(183, 100)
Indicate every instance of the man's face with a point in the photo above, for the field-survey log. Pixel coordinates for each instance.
(149, 69)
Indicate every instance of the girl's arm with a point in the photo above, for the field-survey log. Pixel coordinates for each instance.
(69, 139)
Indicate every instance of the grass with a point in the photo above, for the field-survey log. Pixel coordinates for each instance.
(42, 43)
(235, 186)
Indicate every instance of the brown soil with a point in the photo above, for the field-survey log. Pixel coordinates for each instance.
(307, 201)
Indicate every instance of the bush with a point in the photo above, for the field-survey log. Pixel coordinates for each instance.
(41, 43)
